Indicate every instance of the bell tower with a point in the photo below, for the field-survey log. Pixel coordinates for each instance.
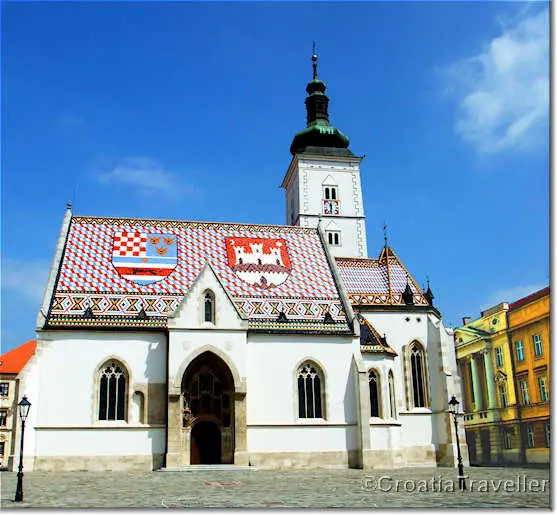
(322, 183)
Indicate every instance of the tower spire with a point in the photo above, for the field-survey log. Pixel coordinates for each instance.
(319, 137)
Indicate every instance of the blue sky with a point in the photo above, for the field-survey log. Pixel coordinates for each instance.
(187, 111)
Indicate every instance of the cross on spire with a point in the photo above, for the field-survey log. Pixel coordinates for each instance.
(385, 233)
(314, 59)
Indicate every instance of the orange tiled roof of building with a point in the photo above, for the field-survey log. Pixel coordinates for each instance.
(529, 298)
(13, 361)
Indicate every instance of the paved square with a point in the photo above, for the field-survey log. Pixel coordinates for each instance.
(422, 487)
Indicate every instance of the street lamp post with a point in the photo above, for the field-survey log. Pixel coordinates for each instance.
(23, 406)
(453, 409)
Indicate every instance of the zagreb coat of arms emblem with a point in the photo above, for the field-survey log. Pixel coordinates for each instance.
(261, 262)
(144, 258)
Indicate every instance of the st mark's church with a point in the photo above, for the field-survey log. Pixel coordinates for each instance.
(167, 343)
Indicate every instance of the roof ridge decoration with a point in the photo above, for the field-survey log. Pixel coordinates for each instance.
(193, 224)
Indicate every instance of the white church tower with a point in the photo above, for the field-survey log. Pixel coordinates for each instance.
(323, 180)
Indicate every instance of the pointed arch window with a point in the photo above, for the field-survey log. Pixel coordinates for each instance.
(113, 391)
(374, 393)
(209, 307)
(392, 398)
(416, 376)
(310, 391)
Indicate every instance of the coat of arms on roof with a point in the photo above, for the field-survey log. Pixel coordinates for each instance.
(261, 262)
(144, 258)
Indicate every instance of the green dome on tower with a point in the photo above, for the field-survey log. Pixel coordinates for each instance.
(319, 137)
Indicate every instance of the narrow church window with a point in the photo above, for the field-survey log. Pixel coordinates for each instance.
(112, 392)
(374, 395)
(392, 394)
(309, 392)
(209, 307)
(327, 194)
(139, 405)
(333, 193)
(333, 238)
(418, 375)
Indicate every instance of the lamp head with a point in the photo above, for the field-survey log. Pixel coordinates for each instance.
(453, 405)
(24, 406)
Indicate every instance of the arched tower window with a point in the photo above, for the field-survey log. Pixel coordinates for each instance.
(310, 391)
(209, 307)
(418, 375)
(392, 398)
(113, 391)
(374, 393)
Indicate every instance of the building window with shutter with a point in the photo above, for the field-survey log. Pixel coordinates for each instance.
(538, 347)
(4, 389)
(519, 346)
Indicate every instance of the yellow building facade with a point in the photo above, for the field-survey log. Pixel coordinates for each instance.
(503, 359)
(529, 334)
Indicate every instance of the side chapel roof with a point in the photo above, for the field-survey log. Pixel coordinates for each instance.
(120, 272)
(371, 340)
(379, 281)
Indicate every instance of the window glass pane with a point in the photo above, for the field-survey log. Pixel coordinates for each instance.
(103, 397)
(374, 396)
(121, 399)
(310, 402)
(112, 398)
(333, 193)
(317, 390)
(301, 398)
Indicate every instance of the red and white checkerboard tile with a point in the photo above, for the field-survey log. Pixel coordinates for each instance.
(129, 244)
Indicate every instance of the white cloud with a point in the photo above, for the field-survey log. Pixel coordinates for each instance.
(511, 294)
(504, 90)
(147, 176)
(26, 278)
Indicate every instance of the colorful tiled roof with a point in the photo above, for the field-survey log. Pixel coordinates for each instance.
(13, 361)
(112, 269)
(378, 281)
(371, 340)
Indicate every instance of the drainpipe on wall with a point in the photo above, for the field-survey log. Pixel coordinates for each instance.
(518, 406)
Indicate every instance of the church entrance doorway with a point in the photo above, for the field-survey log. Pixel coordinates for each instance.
(205, 443)
(208, 410)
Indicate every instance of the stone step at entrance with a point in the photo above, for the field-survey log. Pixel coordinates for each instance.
(198, 468)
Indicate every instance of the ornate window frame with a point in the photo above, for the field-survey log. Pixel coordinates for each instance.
(208, 307)
(128, 391)
(416, 348)
(320, 373)
(392, 394)
(374, 376)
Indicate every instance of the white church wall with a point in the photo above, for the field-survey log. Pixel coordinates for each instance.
(72, 358)
(100, 442)
(302, 439)
(272, 377)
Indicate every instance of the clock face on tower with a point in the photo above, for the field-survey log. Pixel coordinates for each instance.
(331, 207)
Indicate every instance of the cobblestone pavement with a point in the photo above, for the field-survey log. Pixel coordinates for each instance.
(415, 487)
